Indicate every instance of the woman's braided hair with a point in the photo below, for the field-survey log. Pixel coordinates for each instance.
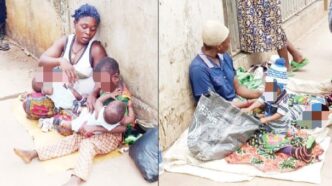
(86, 10)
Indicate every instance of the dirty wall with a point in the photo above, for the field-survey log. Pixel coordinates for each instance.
(128, 30)
(179, 40)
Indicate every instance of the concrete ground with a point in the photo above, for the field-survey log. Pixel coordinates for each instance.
(15, 76)
(316, 46)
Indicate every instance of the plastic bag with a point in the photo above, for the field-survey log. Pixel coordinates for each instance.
(218, 128)
(144, 152)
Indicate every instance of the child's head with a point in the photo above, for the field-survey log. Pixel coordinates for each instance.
(37, 85)
(63, 127)
(114, 112)
(64, 130)
(272, 90)
(107, 74)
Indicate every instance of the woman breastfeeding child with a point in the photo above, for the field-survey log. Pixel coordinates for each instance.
(108, 108)
(94, 133)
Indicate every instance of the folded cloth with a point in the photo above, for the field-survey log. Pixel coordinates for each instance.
(310, 87)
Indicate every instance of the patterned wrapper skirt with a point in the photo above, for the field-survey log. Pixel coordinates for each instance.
(260, 25)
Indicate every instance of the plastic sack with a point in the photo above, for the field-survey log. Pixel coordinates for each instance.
(144, 152)
(218, 128)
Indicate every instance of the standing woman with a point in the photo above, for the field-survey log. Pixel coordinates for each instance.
(3, 16)
(78, 53)
(260, 31)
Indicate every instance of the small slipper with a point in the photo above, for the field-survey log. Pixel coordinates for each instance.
(4, 46)
(297, 66)
(310, 142)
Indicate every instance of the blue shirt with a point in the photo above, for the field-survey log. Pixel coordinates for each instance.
(205, 75)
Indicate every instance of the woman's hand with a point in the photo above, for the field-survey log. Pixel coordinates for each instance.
(68, 69)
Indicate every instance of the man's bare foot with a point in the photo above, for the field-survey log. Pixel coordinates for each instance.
(26, 155)
(74, 181)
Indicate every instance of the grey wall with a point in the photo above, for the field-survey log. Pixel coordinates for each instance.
(128, 31)
(179, 40)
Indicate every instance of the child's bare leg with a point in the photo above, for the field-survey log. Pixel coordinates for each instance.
(77, 95)
(26, 155)
(297, 56)
(73, 181)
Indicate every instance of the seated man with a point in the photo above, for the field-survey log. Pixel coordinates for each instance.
(213, 67)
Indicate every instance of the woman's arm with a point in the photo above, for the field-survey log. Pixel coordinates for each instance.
(52, 58)
(98, 52)
(89, 130)
(130, 119)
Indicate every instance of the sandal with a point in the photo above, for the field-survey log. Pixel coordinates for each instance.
(4, 46)
(310, 144)
(297, 66)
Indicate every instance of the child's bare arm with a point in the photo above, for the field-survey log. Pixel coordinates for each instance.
(88, 131)
(100, 101)
(268, 119)
(131, 115)
(108, 95)
(93, 97)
